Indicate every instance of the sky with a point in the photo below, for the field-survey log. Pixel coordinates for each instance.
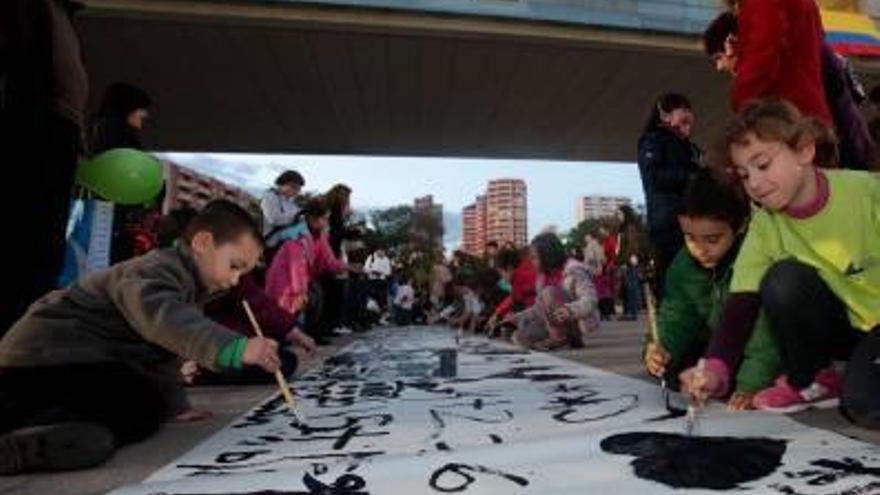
(553, 187)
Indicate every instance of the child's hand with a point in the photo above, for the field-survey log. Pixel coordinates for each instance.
(561, 315)
(262, 352)
(307, 343)
(492, 323)
(741, 401)
(700, 384)
(189, 370)
(656, 359)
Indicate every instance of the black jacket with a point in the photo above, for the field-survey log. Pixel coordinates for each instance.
(666, 162)
(112, 132)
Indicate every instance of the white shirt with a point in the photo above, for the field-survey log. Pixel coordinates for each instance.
(378, 267)
(278, 211)
(472, 303)
(405, 297)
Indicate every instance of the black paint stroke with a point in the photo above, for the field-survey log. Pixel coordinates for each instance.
(347, 484)
(582, 408)
(830, 471)
(465, 478)
(672, 414)
(491, 349)
(203, 469)
(678, 461)
(871, 488)
(266, 412)
(528, 373)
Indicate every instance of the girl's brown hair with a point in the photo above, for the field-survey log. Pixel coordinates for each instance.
(337, 198)
(775, 120)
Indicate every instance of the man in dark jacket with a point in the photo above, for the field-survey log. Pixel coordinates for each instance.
(43, 93)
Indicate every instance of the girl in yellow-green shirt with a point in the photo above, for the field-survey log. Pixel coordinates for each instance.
(810, 260)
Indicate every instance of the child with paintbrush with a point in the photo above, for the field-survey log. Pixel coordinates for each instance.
(95, 366)
(810, 261)
(712, 218)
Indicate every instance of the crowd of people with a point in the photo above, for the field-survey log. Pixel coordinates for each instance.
(764, 258)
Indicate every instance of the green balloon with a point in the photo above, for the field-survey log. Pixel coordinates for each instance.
(123, 175)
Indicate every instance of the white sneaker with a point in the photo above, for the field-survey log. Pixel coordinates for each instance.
(341, 331)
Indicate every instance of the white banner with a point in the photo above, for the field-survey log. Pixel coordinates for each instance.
(406, 411)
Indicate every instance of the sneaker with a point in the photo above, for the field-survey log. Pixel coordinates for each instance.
(824, 392)
(56, 447)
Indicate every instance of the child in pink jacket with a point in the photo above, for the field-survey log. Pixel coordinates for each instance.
(304, 255)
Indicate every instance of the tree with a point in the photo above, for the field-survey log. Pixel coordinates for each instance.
(426, 228)
(575, 237)
(391, 227)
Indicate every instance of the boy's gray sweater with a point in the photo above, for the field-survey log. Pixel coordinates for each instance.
(143, 312)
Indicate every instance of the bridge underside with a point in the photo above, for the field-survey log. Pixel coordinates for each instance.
(306, 79)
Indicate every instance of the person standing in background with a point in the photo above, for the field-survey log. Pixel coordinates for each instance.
(279, 206)
(378, 269)
(667, 159)
(120, 121)
(44, 88)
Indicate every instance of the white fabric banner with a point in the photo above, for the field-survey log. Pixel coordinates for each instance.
(408, 411)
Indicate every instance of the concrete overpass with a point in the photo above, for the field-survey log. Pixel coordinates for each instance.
(555, 79)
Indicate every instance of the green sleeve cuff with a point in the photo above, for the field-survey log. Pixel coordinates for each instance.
(230, 356)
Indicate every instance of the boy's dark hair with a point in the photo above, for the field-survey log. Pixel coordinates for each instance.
(290, 177)
(551, 252)
(717, 33)
(508, 259)
(493, 244)
(707, 197)
(173, 225)
(225, 220)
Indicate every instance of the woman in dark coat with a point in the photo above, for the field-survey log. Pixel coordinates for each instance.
(121, 118)
(118, 124)
(667, 159)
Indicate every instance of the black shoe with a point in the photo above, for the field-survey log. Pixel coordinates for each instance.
(57, 447)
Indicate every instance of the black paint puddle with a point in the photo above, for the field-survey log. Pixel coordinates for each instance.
(678, 461)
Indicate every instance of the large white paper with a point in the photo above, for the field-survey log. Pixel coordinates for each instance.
(408, 411)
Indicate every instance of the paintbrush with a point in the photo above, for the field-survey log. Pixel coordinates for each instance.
(655, 336)
(282, 382)
(690, 420)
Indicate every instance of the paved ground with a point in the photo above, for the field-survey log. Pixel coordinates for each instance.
(615, 348)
